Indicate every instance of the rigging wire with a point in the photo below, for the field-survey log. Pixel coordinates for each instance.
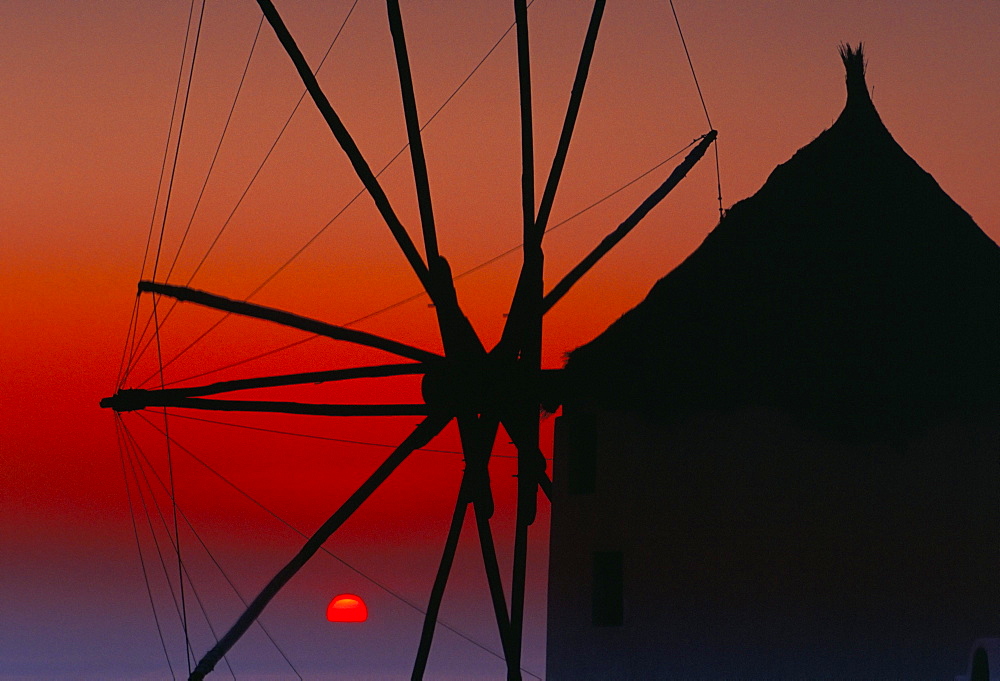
(340, 560)
(314, 437)
(694, 75)
(718, 178)
(136, 354)
(246, 190)
(269, 151)
(708, 119)
(386, 166)
(218, 148)
(156, 541)
(148, 464)
(415, 296)
(330, 439)
(197, 535)
(204, 186)
(323, 229)
(133, 323)
(163, 522)
(135, 530)
(156, 332)
(180, 135)
(159, 188)
(418, 295)
(173, 491)
(156, 263)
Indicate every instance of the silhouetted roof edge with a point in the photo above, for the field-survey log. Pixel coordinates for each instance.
(858, 143)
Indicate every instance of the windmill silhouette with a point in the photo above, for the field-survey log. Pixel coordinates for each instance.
(804, 414)
(481, 389)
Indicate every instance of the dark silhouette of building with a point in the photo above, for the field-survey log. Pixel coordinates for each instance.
(785, 462)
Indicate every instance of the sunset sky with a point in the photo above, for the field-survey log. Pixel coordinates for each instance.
(88, 89)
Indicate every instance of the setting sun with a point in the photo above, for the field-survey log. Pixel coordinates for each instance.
(347, 608)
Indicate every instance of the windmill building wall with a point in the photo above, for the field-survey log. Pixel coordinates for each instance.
(753, 547)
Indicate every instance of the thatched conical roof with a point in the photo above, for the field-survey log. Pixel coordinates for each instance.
(851, 290)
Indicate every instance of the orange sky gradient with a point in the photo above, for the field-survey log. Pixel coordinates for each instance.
(88, 89)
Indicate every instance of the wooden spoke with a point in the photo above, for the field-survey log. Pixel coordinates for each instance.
(489, 551)
(572, 110)
(523, 430)
(457, 334)
(456, 331)
(294, 321)
(523, 327)
(347, 143)
(440, 582)
(478, 435)
(413, 132)
(610, 241)
(296, 379)
(533, 271)
(133, 399)
(517, 587)
(422, 434)
(527, 137)
(545, 484)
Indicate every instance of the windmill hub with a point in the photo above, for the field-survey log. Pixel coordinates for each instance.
(477, 386)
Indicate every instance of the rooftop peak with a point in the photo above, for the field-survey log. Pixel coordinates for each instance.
(855, 64)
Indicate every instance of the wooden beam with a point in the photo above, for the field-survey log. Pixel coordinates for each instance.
(297, 379)
(422, 434)
(527, 136)
(612, 240)
(521, 327)
(440, 582)
(522, 427)
(545, 484)
(478, 436)
(572, 111)
(347, 143)
(488, 549)
(134, 399)
(516, 320)
(183, 293)
(457, 333)
(417, 157)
